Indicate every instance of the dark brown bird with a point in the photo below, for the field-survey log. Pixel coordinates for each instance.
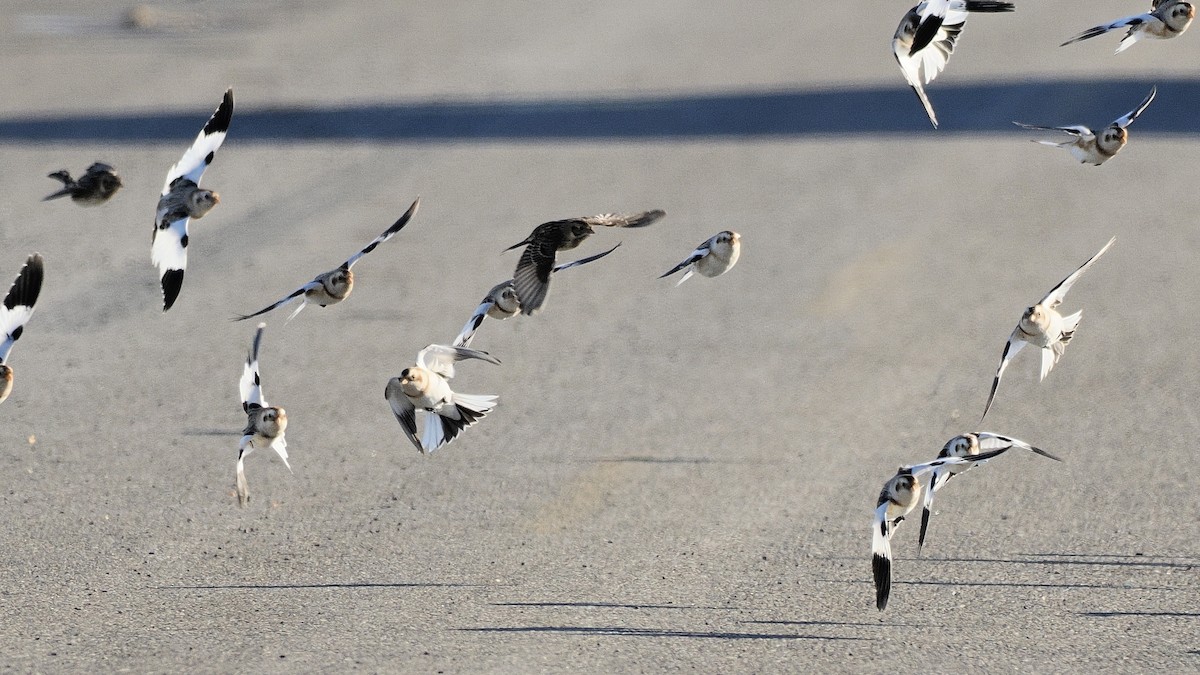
(96, 186)
(532, 276)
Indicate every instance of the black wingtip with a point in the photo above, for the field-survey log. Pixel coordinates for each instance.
(1045, 454)
(220, 120)
(28, 285)
(172, 282)
(924, 526)
(924, 34)
(881, 567)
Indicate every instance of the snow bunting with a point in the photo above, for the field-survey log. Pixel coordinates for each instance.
(265, 423)
(17, 308)
(532, 276)
(99, 183)
(334, 286)
(426, 385)
(182, 199)
(898, 498)
(966, 446)
(713, 258)
(1166, 19)
(501, 302)
(1087, 147)
(1042, 326)
(926, 38)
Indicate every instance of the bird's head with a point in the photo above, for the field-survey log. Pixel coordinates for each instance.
(1035, 317)
(961, 446)
(1114, 137)
(413, 381)
(201, 202)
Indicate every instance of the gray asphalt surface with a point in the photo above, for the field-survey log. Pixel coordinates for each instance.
(675, 478)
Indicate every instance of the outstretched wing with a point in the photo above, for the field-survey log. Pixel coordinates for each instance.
(291, 297)
(1055, 297)
(200, 155)
(440, 359)
(468, 332)
(251, 384)
(583, 261)
(988, 439)
(19, 303)
(404, 410)
(701, 251)
(387, 234)
(1128, 118)
(641, 219)
(1075, 130)
(1096, 31)
(1011, 348)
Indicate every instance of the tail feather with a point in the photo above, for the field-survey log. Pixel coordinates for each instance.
(881, 557)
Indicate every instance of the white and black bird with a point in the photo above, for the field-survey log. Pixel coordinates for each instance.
(182, 199)
(1166, 19)
(1043, 326)
(926, 38)
(713, 258)
(532, 276)
(334, 286)
(502, 302)
(1090, 148)
(96, 186)
(426, 386)
(966, 446)
(14, 314)
(265, 423)
(899, 496)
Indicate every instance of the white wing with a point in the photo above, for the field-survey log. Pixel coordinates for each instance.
(250, 385)
(1079, 130)
(200, 155)
(291, 297)
(1011, 348)
(168, 252)
(881, 556)
(387, 234)
(1095, 31)
(404, 410)
(1056, 294)
(468, 332)
(988, 439)
(18, 304)
(440, 359)
(1128, 118)
(701, 251)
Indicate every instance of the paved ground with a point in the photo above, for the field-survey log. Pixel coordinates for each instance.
(675, 478)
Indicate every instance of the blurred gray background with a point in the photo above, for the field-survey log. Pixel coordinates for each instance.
(675, 478)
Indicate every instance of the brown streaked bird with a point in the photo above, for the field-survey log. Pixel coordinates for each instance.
(426, 386)
(15, 313)
(502, 302)
(1043, 326)
(96, 186)
(532, 276)
(182, 199)
(265, 423)
(899, 496)
(334, 286)
(1089, 148)
(1166, 19)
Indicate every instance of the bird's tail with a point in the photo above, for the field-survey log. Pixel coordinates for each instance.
(243, 489)
(67, 182)
(472, 407)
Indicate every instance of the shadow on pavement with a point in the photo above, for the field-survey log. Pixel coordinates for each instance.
(968, 107)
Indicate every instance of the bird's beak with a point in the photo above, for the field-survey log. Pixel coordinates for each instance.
(216, 198)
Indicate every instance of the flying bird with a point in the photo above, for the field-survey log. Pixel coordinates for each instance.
(96, 186)
(182, 199)
(1086, 146)
(265, 423)
(532, 276)
(15, 313)
(426, 385)
(926, 38)
(502, 302)
(713, 258)
(899, 497)
(334, 286)
(966, 446)
(1043, 326)
(1166, 19)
